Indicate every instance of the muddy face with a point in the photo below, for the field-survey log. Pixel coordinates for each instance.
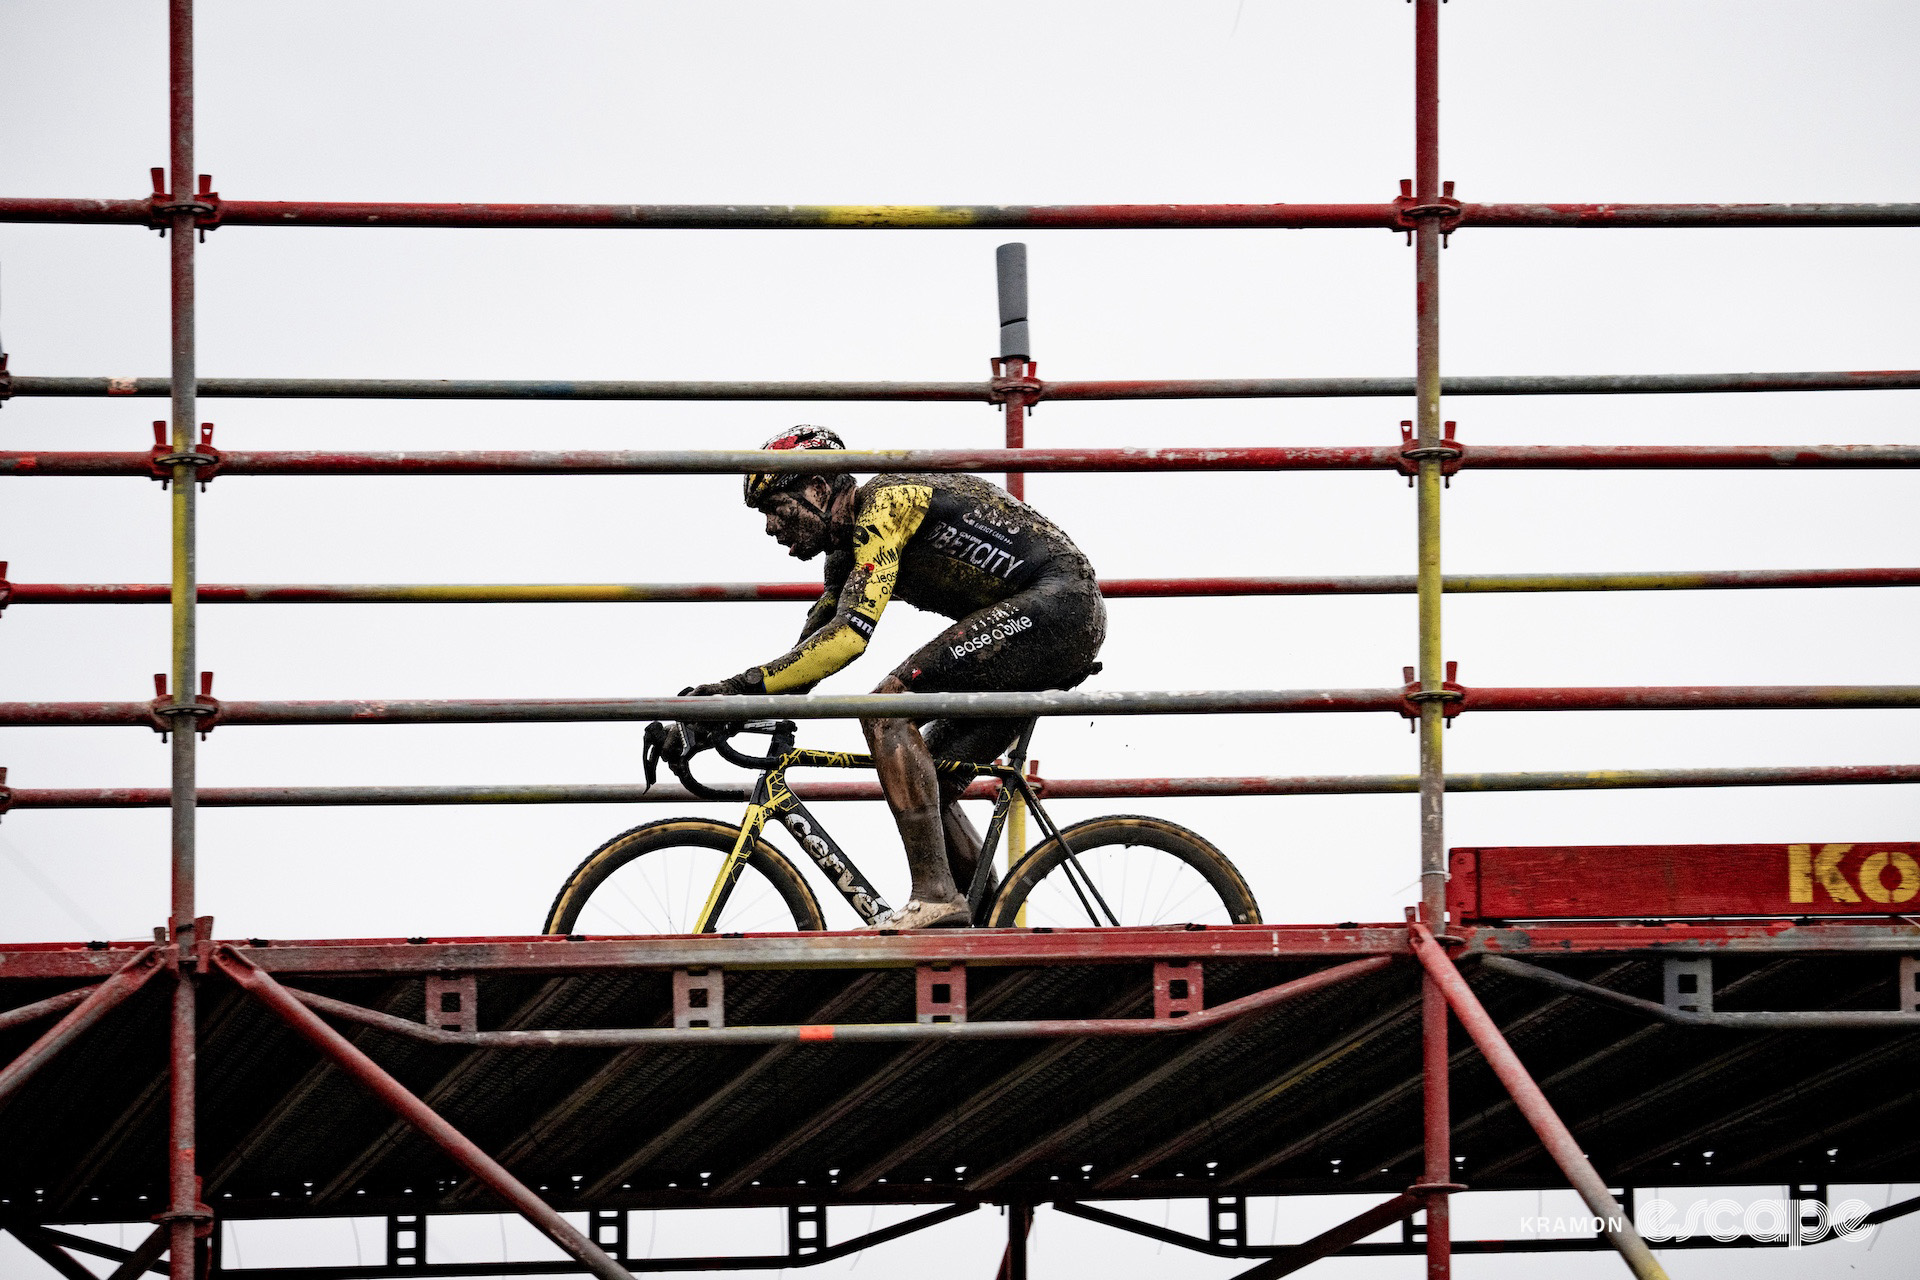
(794, 525)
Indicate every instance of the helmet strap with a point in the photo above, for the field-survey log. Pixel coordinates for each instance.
(798, 494)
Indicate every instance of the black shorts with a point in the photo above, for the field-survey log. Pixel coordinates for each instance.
(1044, 637)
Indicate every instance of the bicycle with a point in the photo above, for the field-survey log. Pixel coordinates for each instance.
(1124, 869)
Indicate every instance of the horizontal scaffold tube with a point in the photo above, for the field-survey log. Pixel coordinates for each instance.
(845, 1033)
(983, 392)
(735, 462)
(927, 706)
(1112, 588)
(1051, 788)
(1756, 1020)
(1001, 217)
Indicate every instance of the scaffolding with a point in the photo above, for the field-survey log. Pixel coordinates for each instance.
(1278, 966)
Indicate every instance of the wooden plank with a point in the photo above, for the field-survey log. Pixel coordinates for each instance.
(1877, 878)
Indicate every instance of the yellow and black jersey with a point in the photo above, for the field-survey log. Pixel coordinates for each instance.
(949, 544)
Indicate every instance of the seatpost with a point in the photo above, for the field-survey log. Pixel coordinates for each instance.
(1018, 756)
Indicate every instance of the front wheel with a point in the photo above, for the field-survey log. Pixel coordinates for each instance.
(654, 879)
(1126, 870)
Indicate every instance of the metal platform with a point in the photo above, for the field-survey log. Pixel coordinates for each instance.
(1318, 1095)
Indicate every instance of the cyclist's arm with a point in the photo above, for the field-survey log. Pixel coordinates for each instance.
(881, 529)
(820, 613)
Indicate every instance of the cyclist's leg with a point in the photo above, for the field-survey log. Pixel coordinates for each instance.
(980, 741)
(1045, 637)
(907, 779)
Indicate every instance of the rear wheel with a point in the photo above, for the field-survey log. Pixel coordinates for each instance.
(1126, 870)
(655, 879)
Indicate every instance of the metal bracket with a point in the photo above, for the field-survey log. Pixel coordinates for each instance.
(453, 1004)
(608, 1229)
(1686, 984)
(1179, 989)
(202, 944)
(1016, 380)
(406, 1239)
(205, 708)
(161, 458)
(1227, 1221)
(1450, 451)
(1909, 1001)
(6, 792)
(6, 380)
(699, 998)
(162, 206)
(1451, 695)
(806, 1229)
(940, 992)
(1409, 214)
(6, 589)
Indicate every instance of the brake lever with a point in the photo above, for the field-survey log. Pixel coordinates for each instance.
(656, 745)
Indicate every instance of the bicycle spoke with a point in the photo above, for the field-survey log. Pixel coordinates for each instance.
(663, 892)
(1124, 884)
(1073, 865)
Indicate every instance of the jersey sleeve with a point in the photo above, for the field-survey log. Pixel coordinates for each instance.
(887, 518)
(821, 611)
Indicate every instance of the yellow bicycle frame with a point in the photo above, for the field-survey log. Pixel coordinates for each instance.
(771, 797)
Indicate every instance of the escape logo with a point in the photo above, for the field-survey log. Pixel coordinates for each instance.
(1762, 1221)
(1726, 1220)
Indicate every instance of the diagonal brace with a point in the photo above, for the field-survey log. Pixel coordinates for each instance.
(1334, 1239)
(417, 1113)
(1532, 1103)
(128, 979)
(42, 1245)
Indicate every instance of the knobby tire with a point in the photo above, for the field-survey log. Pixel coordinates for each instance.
(1049, 858)
(669, 833)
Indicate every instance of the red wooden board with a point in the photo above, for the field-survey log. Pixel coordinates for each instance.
(1634, 881)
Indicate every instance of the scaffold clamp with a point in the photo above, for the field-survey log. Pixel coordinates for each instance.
(1449, 451)
(162, 205)
(205, 708)
(1016, 379)
(1409, 212)
(204, 458)
(1451, 695)
(6, 380)
(6, 793)
(1436, 1188)
(201, 1215)
(6, 590)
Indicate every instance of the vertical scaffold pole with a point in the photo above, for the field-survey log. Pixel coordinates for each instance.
(1016, 348)
(1437, 1172)
(1019, 1227)
(183, 1211)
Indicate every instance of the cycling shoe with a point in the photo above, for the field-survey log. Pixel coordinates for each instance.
(926, 915)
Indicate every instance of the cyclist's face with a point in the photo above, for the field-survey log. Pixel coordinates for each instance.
(793, 526)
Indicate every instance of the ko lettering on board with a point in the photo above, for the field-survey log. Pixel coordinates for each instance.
(1634, 881)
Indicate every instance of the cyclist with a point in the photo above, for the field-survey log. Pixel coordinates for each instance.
(1028, 616)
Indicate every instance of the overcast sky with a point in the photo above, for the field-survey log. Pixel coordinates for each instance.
(1234, 100)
